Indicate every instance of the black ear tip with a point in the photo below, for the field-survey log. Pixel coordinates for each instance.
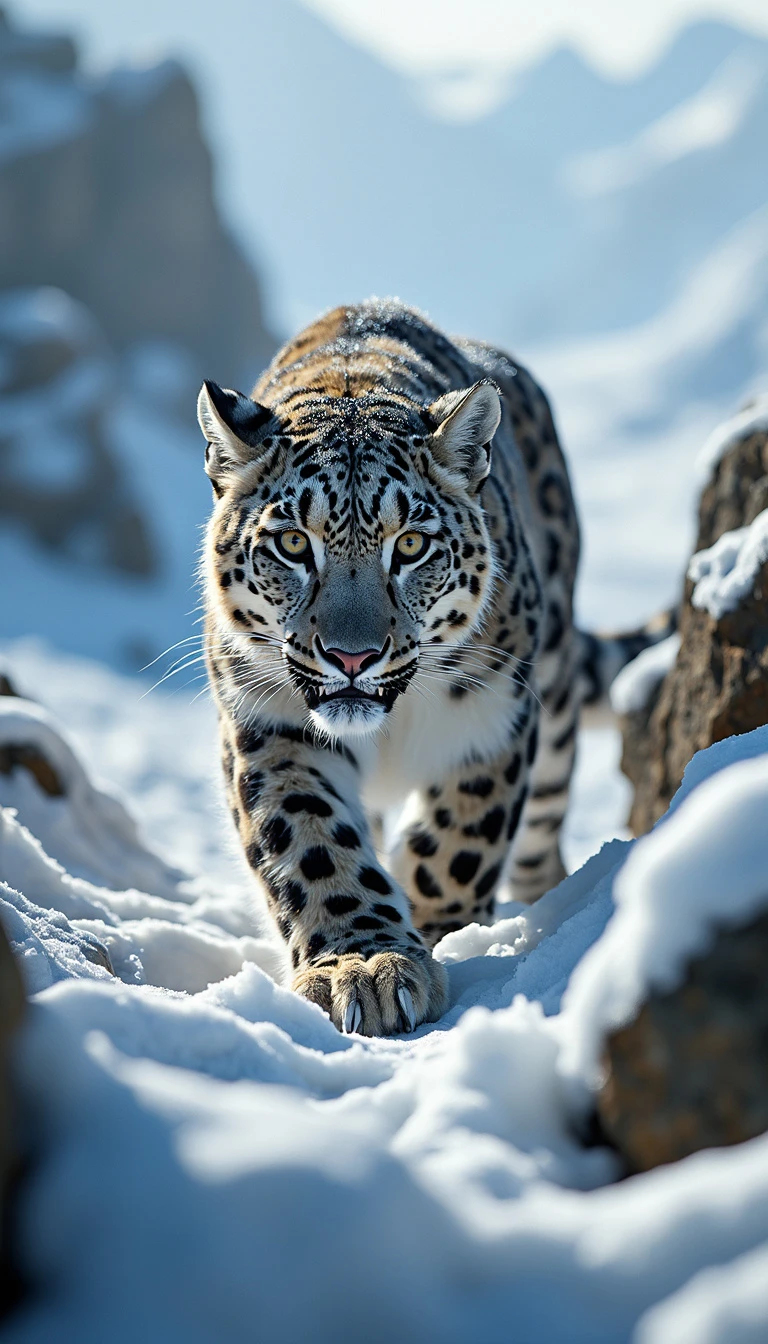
(224, 399)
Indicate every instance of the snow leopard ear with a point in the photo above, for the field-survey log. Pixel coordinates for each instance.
(234, 427)
(467, 421)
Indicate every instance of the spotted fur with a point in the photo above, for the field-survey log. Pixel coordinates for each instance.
(381, 801)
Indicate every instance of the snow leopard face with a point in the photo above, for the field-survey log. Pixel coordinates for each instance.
(347, 536)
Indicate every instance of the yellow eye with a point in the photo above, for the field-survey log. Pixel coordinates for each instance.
(411, 545)
(293, 543)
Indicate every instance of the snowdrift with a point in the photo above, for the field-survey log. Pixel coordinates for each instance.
(213, 1161)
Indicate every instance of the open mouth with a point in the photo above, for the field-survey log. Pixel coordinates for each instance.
(351, 693)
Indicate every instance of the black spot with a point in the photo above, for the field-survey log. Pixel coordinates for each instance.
(488, 881)
(374, 881)
(284, 925)
(565, 737)
(341, 905)
(443, 818)
(533, 742)
(388, 912)
(514, 820)
(564, 696)
(512, 772)
(556, 628)
(346, 836)
(480, 787)
(426, 883)
(457, 690)
(294, 897)
(474, 585)
(307, 802)
(239, 575)
(249, 740)
(553, 554)
(249, 787)
(489, 826)
(254, 854)
(533, 860)
(464, 865)
(315, 945)
(277, 835)
(422, 843)
(366, 922)
(225, 579)
(553, 497)
(316, 863)
(327, 785)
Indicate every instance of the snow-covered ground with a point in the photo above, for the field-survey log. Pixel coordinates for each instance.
(214, 1161)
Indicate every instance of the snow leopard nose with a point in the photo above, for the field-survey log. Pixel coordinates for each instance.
(351, 663)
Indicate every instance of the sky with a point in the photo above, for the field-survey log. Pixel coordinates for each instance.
(617, 36)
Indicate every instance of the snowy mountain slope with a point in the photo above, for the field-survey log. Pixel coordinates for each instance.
(211, 1159)
(492, 225)
(635, 408)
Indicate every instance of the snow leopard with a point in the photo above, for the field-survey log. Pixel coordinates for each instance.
(388, 572)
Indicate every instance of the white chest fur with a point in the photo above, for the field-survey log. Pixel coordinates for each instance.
(428, 735)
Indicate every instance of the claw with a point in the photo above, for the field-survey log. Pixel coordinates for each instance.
(407, 1009)
(352, 1017)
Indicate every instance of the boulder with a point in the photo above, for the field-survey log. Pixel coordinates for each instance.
(689, 1072)
(717, 685)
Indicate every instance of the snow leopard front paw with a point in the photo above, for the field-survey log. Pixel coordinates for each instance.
(389, 992)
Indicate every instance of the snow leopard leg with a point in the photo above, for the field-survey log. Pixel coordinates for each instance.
(536, 864)
(456, 834)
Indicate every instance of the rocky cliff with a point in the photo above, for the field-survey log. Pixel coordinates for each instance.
(121, 287)
(106, 192)
(717, 684)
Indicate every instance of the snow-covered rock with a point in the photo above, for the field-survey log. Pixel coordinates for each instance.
(725, 573)
(702, 869)
(750, 420)
(633, 687)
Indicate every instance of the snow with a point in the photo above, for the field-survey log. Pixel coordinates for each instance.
(633, 687)
(212, 1156)
(711, 117)
(724, 574)
(701, 871)
(751, 419)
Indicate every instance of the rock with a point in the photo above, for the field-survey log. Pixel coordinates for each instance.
(718, 685)
(60, 478)
(689, 1072)
(106, 192)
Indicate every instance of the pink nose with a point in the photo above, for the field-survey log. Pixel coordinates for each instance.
(352, 663)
